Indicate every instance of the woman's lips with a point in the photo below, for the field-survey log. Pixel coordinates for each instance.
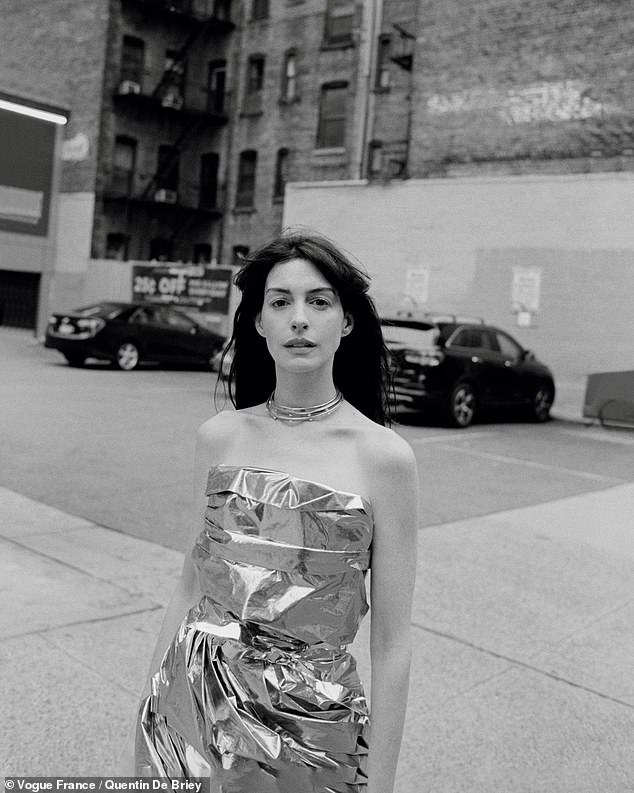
(299, 343)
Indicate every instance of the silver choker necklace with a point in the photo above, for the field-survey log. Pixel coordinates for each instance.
(293, 415)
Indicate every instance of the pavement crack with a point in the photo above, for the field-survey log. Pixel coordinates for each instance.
(69, 566)
(93, 620)
(586, 625)
(523, 665)
(77, 659)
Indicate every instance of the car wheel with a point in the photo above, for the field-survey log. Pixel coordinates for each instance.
(74, 358)
(462, 405)
(541, 403)
(127, 356)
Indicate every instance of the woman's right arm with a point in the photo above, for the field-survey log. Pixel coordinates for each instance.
(211, 443)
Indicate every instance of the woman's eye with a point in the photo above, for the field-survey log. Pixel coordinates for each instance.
(321, 302)
(279, 302)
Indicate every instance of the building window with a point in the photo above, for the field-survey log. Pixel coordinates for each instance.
(123, 166)
(173, 83)
(202, 253)
(281, 173)
(260, 9)
(255, 84)
(245, 195)
(289, 78)
(375, 159)
(116, 246)
(383, 52)
(222, 9)
(132, 65)
(161, 249)
(332, 116)
(339, 22)
(209, 180)
(216, 86)
(167, 169)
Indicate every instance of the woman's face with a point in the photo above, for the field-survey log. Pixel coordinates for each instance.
(301, 319)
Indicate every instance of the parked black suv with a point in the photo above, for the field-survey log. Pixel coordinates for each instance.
(462, 366)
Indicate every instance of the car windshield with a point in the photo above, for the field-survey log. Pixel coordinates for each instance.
(107, 310)
(418, 338)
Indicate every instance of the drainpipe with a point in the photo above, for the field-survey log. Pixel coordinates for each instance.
(372, 19)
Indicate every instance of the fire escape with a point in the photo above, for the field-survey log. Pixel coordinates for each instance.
(172, 199)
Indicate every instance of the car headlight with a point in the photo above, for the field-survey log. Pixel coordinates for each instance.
(92, 325)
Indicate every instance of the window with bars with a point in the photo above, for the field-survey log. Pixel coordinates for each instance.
(339, 22)
(245, 193)
(254, 84)
(331, 132)
(281, 173)
(290, 91)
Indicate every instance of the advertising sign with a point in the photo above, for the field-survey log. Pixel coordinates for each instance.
(205, 288)
(26, 171)
(526, 289)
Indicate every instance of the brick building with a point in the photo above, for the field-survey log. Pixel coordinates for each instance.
(144, 85)
(187, 118)
(301, 74)
(519, 86)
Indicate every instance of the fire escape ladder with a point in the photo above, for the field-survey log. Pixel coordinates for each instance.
(181, 56)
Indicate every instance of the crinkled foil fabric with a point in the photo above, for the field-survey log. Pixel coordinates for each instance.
(257, 691)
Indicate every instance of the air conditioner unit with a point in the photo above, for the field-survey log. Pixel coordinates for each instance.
(164, 196)
(172, 100)
(129, 87)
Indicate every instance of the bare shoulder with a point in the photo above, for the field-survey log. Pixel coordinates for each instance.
(387, 450)
(219, 429)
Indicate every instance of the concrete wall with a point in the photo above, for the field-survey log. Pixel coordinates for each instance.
(468, 236)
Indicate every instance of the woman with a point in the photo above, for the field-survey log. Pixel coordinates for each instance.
(255, 688)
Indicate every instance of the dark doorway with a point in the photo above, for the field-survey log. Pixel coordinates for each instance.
(18, 298)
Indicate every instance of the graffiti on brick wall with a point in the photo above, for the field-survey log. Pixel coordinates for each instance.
(566, 100)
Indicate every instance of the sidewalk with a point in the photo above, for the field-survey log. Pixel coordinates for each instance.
(523, 646)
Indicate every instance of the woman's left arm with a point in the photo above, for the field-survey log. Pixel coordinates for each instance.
(395, 504)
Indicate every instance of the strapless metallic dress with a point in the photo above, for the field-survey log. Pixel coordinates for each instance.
(257, 691)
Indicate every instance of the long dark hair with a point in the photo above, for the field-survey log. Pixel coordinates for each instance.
(360, 369)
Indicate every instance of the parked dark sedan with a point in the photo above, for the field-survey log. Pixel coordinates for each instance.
(463, 367)
(128, 333)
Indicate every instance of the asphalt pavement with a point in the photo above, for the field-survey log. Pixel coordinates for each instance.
(522, 628)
